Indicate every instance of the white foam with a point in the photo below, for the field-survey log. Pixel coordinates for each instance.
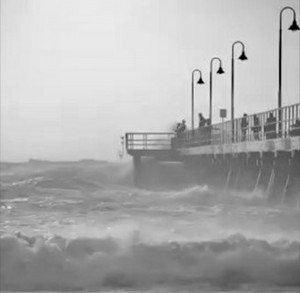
(36, 263)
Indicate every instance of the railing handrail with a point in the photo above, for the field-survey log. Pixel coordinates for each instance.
(149, 140)
(273, 110)
(285, 124)
(251, 115)
(150, 133)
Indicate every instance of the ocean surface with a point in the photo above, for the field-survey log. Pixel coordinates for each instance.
(82, 226)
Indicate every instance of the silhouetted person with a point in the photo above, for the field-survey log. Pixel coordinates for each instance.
(202, 120)
(183, 126)
(295, 128)
(177, 128)
(180, 128)
(270, 127)
(256, 128)
(207, 132)
(201, 125)
(244, 126)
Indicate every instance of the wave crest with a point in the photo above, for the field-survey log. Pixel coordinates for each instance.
(37, 263)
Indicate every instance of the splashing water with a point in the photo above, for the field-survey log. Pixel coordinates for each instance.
(84, 228)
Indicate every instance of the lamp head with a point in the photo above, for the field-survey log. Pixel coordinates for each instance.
(200, 81)
(220, 70)
(294, 26)
(243, 56)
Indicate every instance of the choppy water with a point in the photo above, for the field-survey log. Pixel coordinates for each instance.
(82, 227)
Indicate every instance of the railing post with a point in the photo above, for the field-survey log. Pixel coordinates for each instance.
(126, 141)
(279, 122)
(145, 141)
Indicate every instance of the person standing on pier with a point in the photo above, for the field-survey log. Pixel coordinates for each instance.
(181, 127)
(201, 129)
(244, 126)
(256, 128)
(270, 127)
(202, 120)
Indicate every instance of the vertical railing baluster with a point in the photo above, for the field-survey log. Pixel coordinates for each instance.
(293, 114)
(288, 121)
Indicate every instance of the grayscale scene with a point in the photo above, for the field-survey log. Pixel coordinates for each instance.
(150, 146)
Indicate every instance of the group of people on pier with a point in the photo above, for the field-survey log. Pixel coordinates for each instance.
(204, 132)
(180, 128)
(204, 129)
(269, 127)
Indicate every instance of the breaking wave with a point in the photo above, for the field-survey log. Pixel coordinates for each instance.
(56, 263)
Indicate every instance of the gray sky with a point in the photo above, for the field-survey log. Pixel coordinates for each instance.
(77, 74)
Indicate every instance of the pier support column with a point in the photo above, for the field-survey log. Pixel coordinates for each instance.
(266, 170)
(209, 168)
(240, 172)
(137, 170)
(252, 171)
(281, 173)
(292, 187)
(228, 165)
(219, 171)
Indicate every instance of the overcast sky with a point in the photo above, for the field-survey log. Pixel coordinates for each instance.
(77, 74)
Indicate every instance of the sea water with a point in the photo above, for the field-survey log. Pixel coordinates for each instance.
(84, 227)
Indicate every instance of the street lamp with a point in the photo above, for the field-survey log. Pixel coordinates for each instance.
(219, 71)
(200, 81)
(294, 27)
(242, 57)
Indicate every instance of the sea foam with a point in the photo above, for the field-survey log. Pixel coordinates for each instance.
(56, 263)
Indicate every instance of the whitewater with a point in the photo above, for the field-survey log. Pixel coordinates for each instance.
(83, 226)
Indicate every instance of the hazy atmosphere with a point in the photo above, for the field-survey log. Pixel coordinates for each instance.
(76, 75)
(177, 205)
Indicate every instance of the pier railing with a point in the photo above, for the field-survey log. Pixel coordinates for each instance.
(276, 123)
(150, 141)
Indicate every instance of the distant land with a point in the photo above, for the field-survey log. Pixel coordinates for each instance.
(37, 161)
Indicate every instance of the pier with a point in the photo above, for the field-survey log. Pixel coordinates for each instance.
(263, 155)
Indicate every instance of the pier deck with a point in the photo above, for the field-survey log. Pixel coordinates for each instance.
(264, 155)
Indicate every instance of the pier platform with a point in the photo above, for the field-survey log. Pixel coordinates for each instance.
(267, 149)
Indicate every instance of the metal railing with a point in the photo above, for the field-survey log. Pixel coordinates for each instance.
(148, 140)
(256, 127)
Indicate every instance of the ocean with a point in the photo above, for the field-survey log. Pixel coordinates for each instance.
(83, 226)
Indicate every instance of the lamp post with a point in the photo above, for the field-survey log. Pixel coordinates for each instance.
(294, 27)
(219, 71)
(200, 81)
(242, 57)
